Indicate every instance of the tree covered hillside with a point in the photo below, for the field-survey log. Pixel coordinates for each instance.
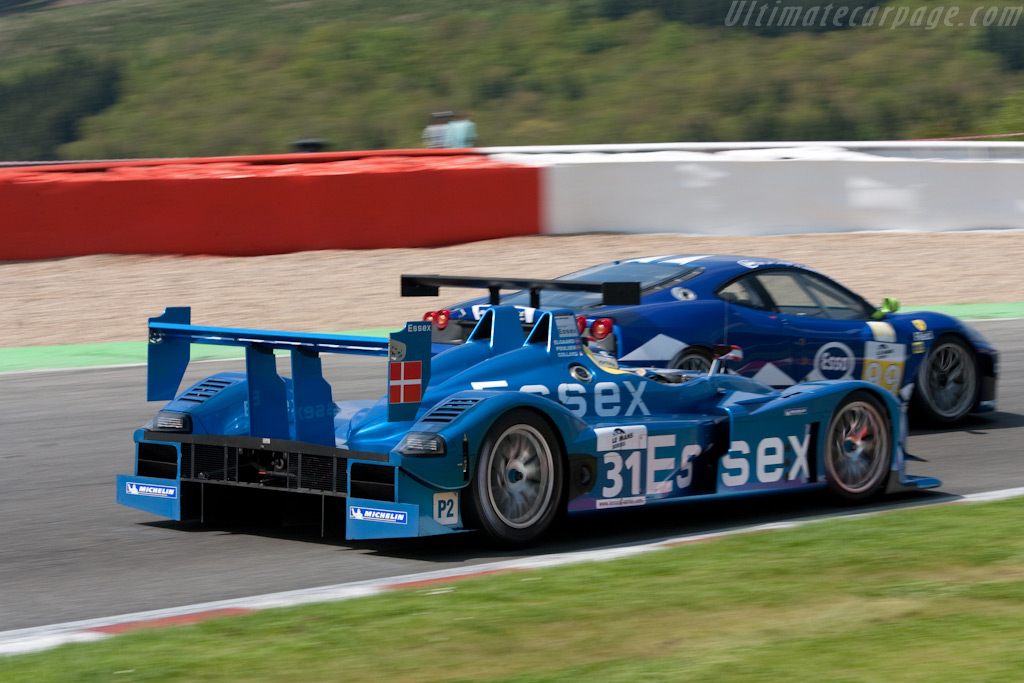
(140, 78)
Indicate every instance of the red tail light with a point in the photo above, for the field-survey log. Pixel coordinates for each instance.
(441, 318)
(581, 322)
(429, 315)
(601, 328)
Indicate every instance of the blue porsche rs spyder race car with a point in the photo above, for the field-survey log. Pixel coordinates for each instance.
(499, 434)
(793, 323)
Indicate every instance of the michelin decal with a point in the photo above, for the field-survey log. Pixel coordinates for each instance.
(134, 488)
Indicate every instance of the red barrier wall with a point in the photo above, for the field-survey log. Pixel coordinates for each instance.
(264, 205)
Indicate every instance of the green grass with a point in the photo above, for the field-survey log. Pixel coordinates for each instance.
(917, 595)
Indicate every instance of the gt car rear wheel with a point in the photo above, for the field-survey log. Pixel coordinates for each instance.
(858, 447)
(947, 383)
(694, 359)
(517, 489)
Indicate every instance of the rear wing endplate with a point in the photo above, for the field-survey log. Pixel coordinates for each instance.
(612, 293)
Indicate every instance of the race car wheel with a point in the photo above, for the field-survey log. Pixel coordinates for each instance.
(947, 383)
(517, 489)
(694, 359)
(858, 447)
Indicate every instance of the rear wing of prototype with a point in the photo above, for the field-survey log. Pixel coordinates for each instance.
(612, 293)
(171, 336)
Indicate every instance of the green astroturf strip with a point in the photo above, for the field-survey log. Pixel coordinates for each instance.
(974, 311)
(124, 353)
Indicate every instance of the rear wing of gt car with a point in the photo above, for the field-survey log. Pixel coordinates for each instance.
(312, 408)
(612, 293)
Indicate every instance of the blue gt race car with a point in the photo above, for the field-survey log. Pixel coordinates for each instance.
(793, 323)
(499, 434)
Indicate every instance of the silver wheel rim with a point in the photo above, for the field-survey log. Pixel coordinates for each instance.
(695, 363)
(520, 477)
(858, 447)
(949, 380)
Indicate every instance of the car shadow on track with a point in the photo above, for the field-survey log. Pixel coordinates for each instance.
(975, 424)
(607, 529)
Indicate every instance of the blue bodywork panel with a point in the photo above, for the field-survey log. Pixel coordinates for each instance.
(407, 464)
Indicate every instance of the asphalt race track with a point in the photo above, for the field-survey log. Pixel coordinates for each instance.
(68, 552)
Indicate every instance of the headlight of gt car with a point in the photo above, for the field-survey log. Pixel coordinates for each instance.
(423, 444)
(166, 421)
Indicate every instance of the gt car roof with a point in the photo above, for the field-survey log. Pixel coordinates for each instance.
(718, 264)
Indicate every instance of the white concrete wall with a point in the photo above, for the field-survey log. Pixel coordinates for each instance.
(754, 191)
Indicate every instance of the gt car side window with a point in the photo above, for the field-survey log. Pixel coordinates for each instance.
(790, 297)
(742, 293)
(839, 304)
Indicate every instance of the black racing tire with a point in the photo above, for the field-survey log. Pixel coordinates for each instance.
(694, 359)
(517, 489)
(947, 383)
(858, 448)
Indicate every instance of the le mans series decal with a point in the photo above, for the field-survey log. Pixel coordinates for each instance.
(621, 438)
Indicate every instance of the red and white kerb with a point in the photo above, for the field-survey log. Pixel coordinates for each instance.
(405, 381)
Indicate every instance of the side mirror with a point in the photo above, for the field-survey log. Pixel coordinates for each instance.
(889, 305)
(722, 353)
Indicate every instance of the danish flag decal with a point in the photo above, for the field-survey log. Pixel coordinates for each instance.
(405, 381)
(408, 370)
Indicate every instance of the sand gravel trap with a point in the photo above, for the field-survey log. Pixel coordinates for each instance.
(108, 298)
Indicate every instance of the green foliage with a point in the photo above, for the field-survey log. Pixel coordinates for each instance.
(41, 105)
(195, 77)
(12, 6)
(1007, 42)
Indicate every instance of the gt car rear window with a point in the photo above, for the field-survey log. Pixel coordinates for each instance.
(651, 276)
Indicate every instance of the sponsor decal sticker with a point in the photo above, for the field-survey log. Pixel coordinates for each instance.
(882, 331)
(374, 515)
(924, 336)
(135, 488)
(834, 360)
(790, 412)
(920, 325)
(883, 364)
(620, 438)
(396, 350)
(621, 502)
(917, 347)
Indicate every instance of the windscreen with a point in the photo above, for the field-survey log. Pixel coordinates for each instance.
(651, 276)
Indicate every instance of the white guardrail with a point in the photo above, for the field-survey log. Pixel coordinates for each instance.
(765, 188)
